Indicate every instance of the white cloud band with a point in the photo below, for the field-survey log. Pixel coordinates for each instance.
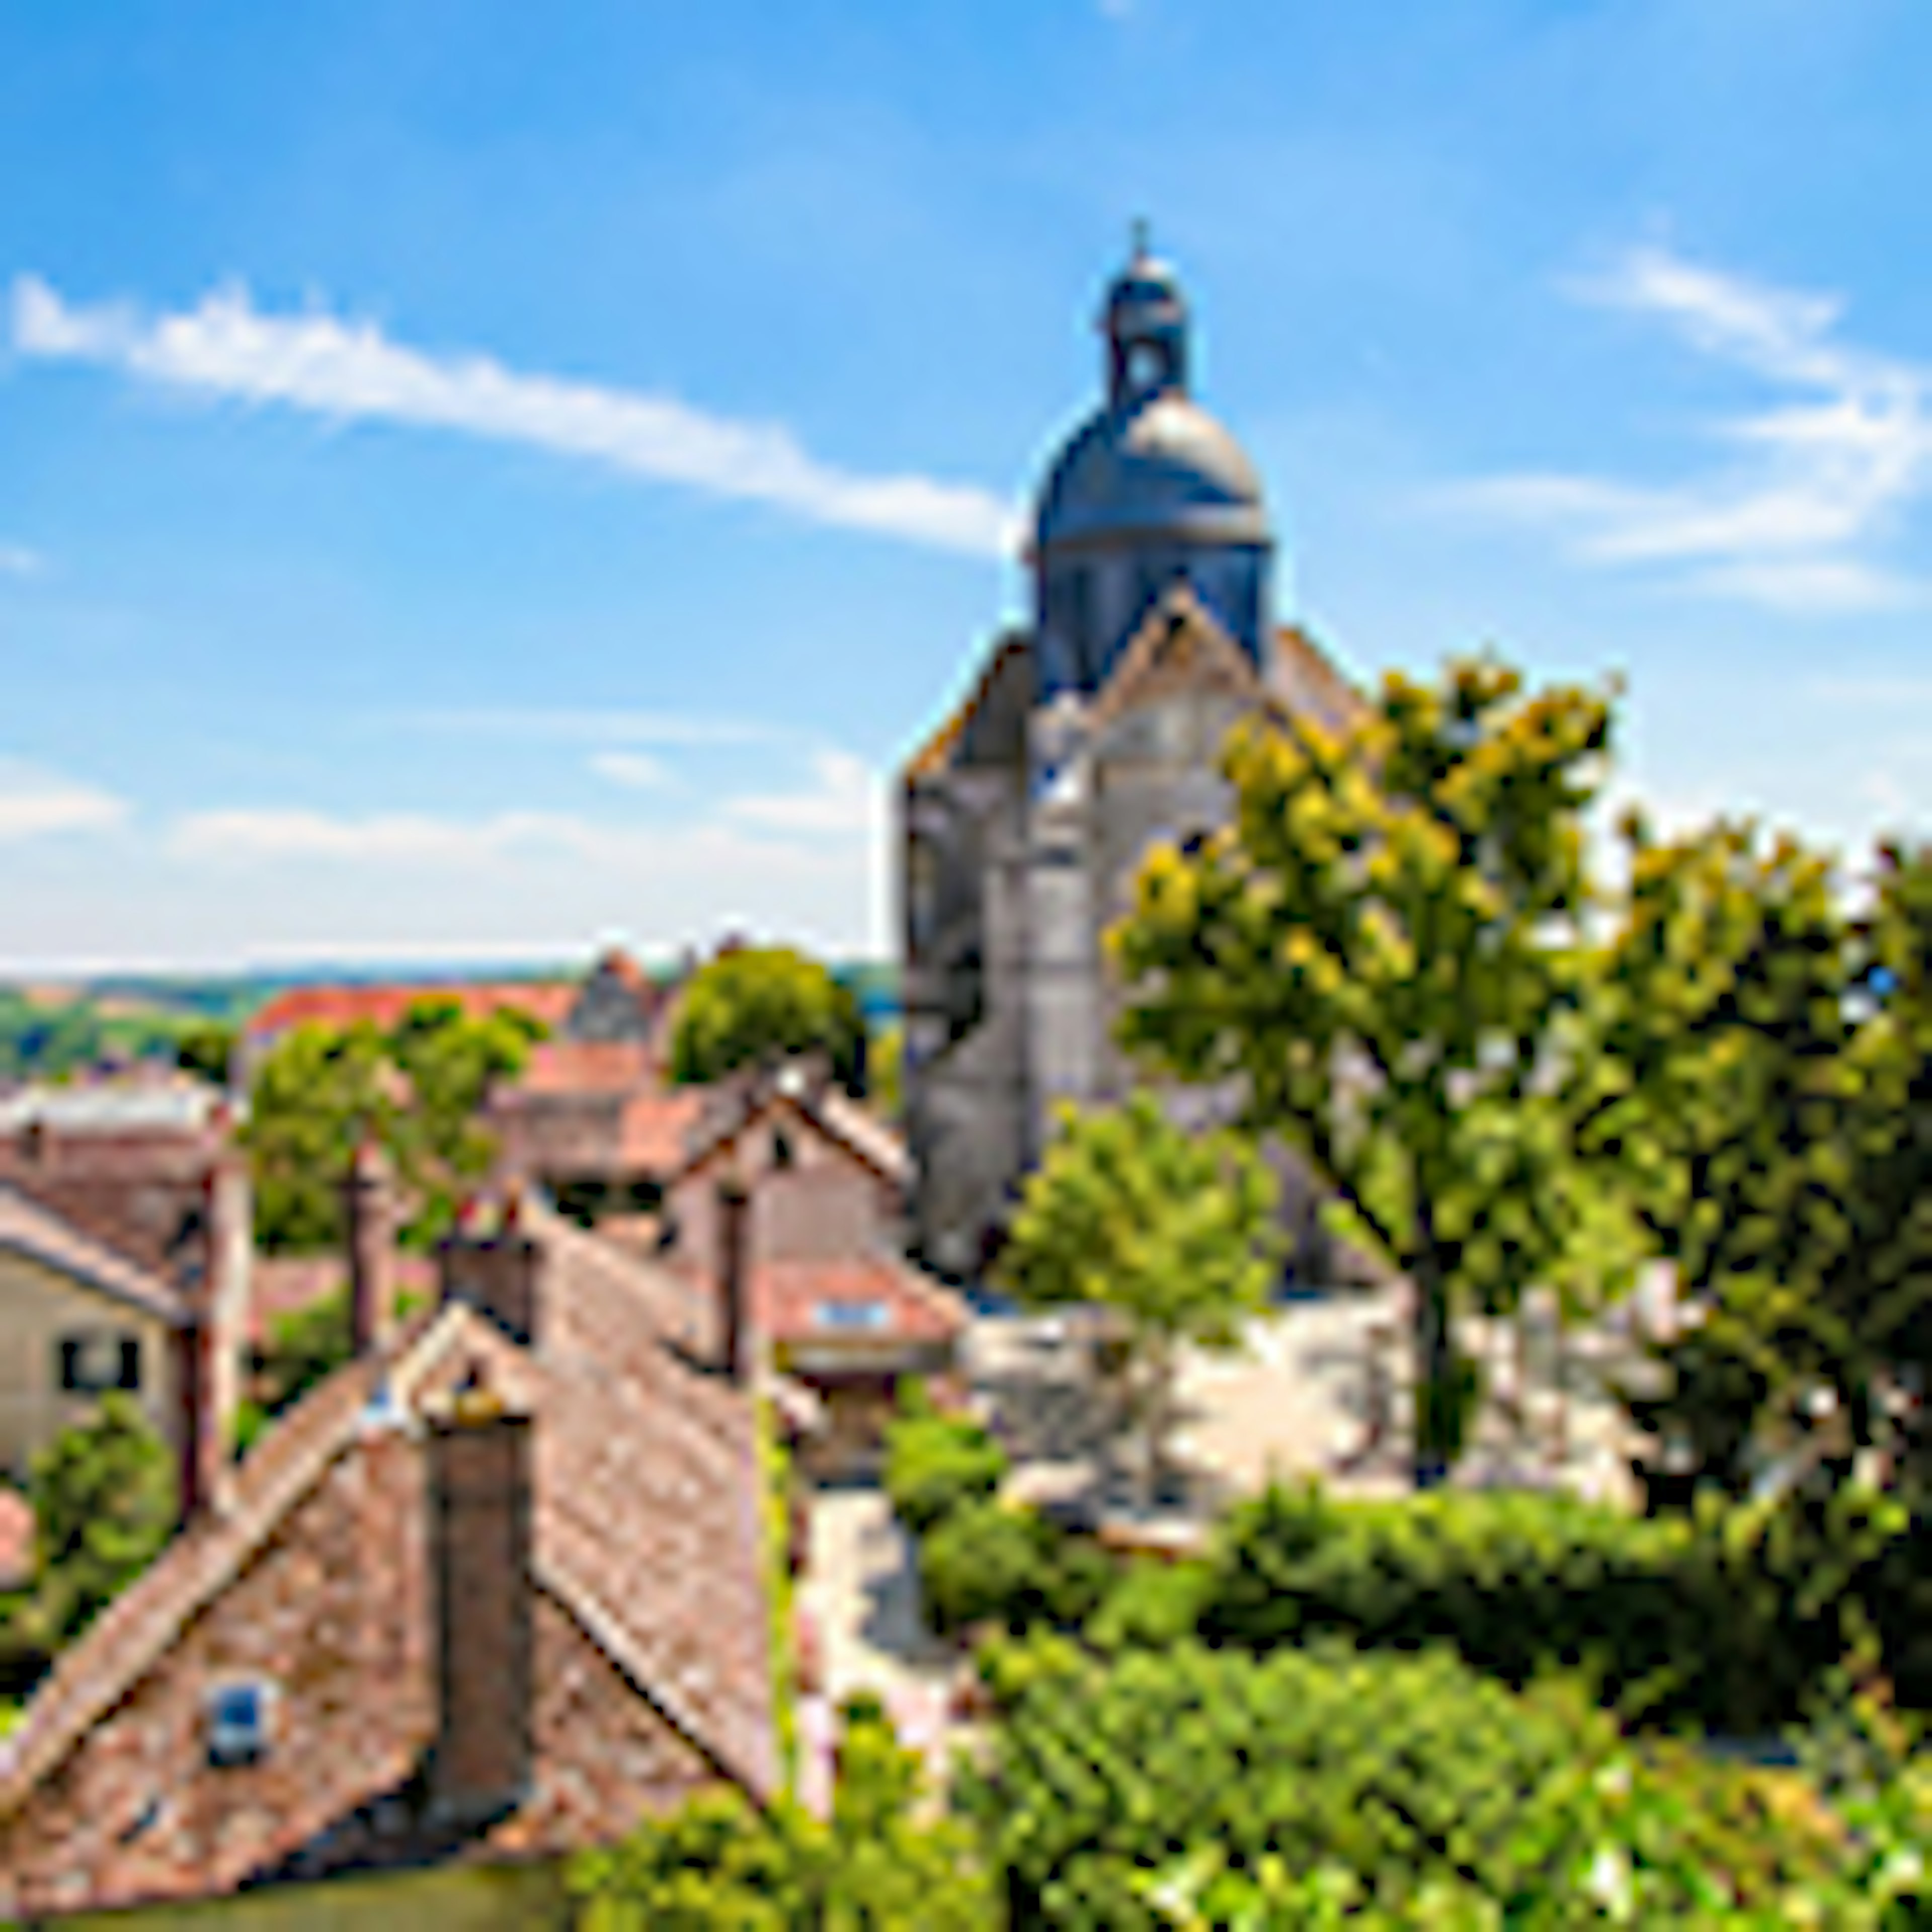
(224, 346)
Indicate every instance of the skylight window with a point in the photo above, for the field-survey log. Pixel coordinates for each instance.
(851, 1316)
(238, 1723)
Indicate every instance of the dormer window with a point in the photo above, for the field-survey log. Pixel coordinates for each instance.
(237, 1723)
(852, 1316)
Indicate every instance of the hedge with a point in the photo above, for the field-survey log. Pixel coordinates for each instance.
(1727, 1623)
(1400, 1778)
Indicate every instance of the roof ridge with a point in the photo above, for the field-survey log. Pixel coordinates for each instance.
(98, 1262)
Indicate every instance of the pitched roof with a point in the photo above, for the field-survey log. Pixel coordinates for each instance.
(387, 1006)
(29, 1228)
(656, 1128)
(645, 1510)
(568, 1066)
(791, 1299)
(830, 1110)
(939, 750)
(1178, 642)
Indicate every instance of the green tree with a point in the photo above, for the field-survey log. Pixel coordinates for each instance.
(1174, 1231)
(207, 1047)
(419, 1090)
(882, 1863)
(754, 1006)
(1386, 952)
(104, 1501)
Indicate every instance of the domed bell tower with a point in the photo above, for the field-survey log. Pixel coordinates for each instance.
(1151, 490)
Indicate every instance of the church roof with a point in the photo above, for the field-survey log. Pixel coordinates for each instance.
(1163, 467)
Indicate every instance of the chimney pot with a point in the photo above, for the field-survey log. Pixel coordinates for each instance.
(734, 1202)
(372, 1248)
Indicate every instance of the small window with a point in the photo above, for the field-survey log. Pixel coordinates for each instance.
(782, 1150)
(91, 1364)
(851, 1314)
(238, 1716)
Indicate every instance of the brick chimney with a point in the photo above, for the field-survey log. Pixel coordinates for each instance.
(479, 1465)
(499, 1275)
(208, 1344)
(734, 1261)
(371, 1204)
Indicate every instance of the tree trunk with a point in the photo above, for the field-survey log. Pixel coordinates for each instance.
(1435, 1388)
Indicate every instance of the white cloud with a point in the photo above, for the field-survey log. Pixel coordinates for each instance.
(1814, 482)
(17, 560)
(847, 798)
(636, 769)
(349, 370)
(34, 803)
(629, 728)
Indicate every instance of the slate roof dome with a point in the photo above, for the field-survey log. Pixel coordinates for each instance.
(1162, 467)
(1151, 463)
(1150, 492)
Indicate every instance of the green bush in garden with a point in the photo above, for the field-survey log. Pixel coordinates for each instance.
(1729, 1621)
(985, 1564)
(1194, 1787)
(1152, 1605)
(935, 1464)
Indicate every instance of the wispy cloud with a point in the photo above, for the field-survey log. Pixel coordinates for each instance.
(585, 724)
(35, 803)
(638, 770)
(350, 370)
(846, 800)
(17, 560)
(1814, 483)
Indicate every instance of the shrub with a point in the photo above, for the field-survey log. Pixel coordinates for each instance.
(1430, 1793)
(1152, 1605)
(984, 1564)
(1729, 1621)
(937, 1464)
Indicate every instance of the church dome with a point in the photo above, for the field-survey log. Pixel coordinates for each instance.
(1150, 492)
(1162, 467)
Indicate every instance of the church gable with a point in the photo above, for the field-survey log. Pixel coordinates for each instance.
(1179, 652)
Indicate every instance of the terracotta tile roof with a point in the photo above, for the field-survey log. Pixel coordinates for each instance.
(16, 1537)
(656, 1128)
(30, 1228)
(566, 1066)
(790, 1299)
(831, 1112)
(645, 1511)
(387, 1006)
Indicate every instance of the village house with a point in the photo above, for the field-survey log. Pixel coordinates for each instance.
(484, 1596)
(124, 1257)
(795, 1189)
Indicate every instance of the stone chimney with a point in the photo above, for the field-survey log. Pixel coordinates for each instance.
(479, 1467)
(499, 1275)
(734, 1287)
(208, 1344)
(371, 1204)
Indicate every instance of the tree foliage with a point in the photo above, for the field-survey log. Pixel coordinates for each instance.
(1384, 950)
(754, 1006)
(418, 1090)
(104, 1495)
(1175, 1232)
(881, 1863)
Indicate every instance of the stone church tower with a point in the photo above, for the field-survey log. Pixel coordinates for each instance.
(1088, 737)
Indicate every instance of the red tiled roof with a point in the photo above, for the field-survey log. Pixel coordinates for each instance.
(656, 1127)
(28, 1228)
(645, 1512)
(388, 1006)
(561, 1066)
(789, 1299)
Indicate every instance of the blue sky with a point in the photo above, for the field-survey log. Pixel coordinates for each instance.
(478, 480)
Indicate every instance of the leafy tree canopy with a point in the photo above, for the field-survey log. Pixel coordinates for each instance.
(418, 1090)
(1174, 1231)
(754, 1006)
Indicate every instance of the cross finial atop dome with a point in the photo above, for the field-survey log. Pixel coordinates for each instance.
(1142, 246)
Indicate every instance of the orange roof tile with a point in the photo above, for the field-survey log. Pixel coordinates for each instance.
(791, 1298)
(586, 1066)
(387, 1006)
